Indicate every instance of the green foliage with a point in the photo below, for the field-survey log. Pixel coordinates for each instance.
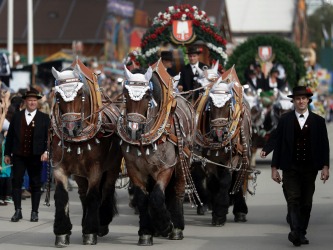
(322, 16)
(284, 52)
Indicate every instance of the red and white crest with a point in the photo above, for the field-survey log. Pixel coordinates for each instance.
(265, 53)
(182, 31)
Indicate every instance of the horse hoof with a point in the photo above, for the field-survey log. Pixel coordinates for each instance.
(145, 240)
(240, 217)
(89, 239)
(103, 230)
(176, 234)
(200, 210)
(62, 240)
(219, 221)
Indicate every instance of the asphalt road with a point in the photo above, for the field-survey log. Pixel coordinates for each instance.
(266, 227)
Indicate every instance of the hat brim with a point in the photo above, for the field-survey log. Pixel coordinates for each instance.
(306, 94)
(35, 96)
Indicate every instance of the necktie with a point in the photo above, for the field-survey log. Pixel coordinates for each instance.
(29, 114)
(301, 116)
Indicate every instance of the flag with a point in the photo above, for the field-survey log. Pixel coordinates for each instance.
(325, 34)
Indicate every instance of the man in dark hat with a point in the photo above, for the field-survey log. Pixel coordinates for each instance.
(26, 148)
(167, 59)
(189, 72)
(301, 150)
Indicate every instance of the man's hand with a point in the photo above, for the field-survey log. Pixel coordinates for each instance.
(7, 159)
(325, 174)
(45, 156)
(275, 175)
(263, 154)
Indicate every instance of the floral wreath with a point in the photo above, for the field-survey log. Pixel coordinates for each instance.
(162, 28)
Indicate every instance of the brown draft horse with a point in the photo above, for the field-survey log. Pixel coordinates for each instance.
(223, 138)
(157, 132)
(83, 144)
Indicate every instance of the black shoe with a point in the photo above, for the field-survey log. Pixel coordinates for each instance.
(240, 217)
(304, 240)
(294, 238)
(17, 216)
(34, 216)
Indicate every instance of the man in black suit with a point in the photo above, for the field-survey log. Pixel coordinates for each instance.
(26, 148)
(189, 72)
(167, 59)
(301, 150)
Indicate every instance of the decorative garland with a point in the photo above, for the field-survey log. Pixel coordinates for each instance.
(286, 53)
(161, 29)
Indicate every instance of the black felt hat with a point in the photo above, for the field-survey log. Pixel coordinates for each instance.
(193, 50)
(32, 93)
(301, 90)
(167, 55)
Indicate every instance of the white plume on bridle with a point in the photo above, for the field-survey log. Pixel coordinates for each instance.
(71, 83)
(207, 76)
(221, 92)
(137, 84)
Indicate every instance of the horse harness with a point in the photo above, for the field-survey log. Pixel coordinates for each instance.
(101, 121)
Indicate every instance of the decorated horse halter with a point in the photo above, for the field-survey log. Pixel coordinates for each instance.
(69, 126)
(131, 123)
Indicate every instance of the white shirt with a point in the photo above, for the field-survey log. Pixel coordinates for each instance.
(30, 117)
(194, 67)
(302, 120)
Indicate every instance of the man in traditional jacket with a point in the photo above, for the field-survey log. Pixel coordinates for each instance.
(26, 148)
(301, 150)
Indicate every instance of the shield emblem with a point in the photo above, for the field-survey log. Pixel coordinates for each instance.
(265, 53)
(182, 31)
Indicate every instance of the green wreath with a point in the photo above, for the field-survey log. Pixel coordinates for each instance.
(160, 32)
(286, 53)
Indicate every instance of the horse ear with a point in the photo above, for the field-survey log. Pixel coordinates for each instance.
(128, 74)
(149, 74)
(200, 72)
(231, 85)
(216, 66)
(55, 73)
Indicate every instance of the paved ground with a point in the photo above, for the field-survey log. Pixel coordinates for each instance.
(266, 227)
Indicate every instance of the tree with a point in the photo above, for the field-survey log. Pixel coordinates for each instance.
(319, 22)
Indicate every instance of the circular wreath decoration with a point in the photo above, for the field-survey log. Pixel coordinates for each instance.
(285, 53)
(160, 32)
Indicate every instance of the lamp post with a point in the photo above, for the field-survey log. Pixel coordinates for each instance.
(30, 32)
(10, 22)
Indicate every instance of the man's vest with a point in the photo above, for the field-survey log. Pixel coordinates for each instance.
(302, 144)
(27, 133)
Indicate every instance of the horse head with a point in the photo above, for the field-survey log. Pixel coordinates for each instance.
(72, 99)
(139, 97)
(252, 97)
(282, 104)
(220, 105)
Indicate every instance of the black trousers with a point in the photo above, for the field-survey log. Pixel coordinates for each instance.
(299, 186)
(33, 165)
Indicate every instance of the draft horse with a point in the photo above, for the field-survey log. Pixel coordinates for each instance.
(223, 142)
(157, 131)
(83, 144)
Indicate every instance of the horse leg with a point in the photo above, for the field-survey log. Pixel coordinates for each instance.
(108, 208)
(199, 180)
(90, 222)
(157, 207)
(220, 204)
(174, 198)
(62, 225)
(82, 191)
(240, 209)
(146, 229)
